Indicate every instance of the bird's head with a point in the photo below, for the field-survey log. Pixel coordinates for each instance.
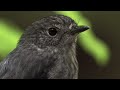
(56, 30)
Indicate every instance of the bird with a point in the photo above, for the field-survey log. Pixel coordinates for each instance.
(46, 50)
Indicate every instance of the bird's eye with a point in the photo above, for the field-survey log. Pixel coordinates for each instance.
(52, 31)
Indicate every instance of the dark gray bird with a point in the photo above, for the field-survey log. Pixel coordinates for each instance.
(45, 51)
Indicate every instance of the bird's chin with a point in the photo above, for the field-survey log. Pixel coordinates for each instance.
(68, 40)
(71, 41)
(75, 39)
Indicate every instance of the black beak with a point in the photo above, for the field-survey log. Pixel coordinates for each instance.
(83, 28)
(79, 29)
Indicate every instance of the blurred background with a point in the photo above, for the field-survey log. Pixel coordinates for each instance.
(105, 25)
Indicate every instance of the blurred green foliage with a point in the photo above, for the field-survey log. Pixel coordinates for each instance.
(10, 34)
(88, 40)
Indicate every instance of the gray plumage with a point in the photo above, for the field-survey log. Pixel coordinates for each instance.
(45, 51)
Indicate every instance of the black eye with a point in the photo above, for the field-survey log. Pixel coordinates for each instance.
(52, 31)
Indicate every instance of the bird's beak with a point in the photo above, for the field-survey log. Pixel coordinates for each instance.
(82, 28)
(79, 29)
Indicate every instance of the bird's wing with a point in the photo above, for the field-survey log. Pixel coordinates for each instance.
(26, 64)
